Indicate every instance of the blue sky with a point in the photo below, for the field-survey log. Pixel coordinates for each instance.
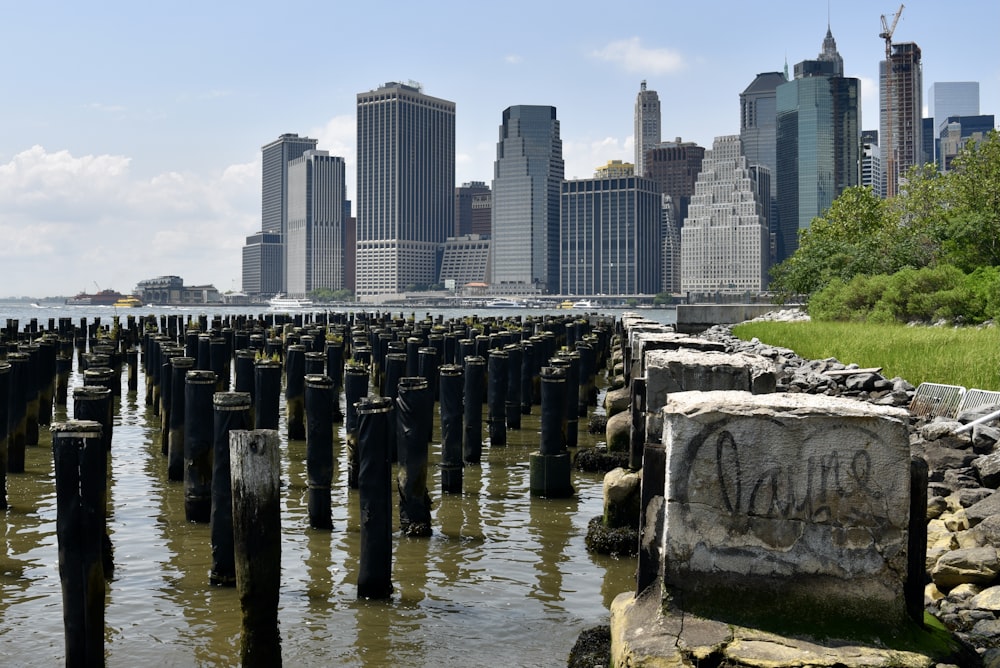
(130, 132)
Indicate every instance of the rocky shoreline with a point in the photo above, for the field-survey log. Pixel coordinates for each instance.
(963, 508)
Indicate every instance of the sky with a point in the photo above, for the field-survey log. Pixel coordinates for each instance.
(130, 132)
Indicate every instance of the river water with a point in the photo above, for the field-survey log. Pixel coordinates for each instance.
(504, 580)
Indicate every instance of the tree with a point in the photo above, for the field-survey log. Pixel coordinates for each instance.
(973, 231)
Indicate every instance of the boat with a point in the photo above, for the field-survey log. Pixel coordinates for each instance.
(280, 302)
(583, 303)
(504, 303)
(100, 298)
(565, 304)
(128, 301)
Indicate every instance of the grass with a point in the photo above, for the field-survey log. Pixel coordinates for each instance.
(964, 356)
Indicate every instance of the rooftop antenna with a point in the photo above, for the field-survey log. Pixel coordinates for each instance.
(890, 158)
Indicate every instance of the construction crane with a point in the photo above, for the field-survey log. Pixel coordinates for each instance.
(890, 157)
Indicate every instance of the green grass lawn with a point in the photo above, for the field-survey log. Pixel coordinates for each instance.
(965, 356)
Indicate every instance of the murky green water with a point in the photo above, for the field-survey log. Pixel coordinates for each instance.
(504, 580)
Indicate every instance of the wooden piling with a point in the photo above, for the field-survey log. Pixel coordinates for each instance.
(375, 499)
(319, 399)
(231, 413)
(80, 467)
(256, 519)
(199, 386)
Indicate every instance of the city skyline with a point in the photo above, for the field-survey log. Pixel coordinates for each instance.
(131, 145)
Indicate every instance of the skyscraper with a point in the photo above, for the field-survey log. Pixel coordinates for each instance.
(759, 123)
(314, 243)
(406, 187)
(674, 166)
(724, 241)
(871, 163)
(818, 143)
(526, 179)
(262, 273)
(647, 125)
(610, 236)
(900, 113)
(274, 172)
(473, 209)
(951, 98)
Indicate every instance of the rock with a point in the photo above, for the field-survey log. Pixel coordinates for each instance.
(987, 468)
(978, 565)
(592, 648)
(937, 429)
(940, 460)
(987, 599)
(978, 512)
(935, 506)
(984, 438)
(619, 427)
(972, 495)
(622, 492)
(987, 532)
(616, 401)
(986, 628)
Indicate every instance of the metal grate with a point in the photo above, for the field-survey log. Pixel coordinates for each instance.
(974, 399)
(937, 400)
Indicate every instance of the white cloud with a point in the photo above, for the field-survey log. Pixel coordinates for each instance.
(634, 57)
(69, 222)
(512, 59)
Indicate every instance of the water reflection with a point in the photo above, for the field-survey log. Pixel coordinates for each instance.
(504, 579)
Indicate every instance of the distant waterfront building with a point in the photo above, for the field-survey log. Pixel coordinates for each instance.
(465, 259)
(903, 77)
(647, 125)
(473, 209)
(171, 290)
(818, 143)
(674, 166)
(275, 156)
(314, 243)
(871, 163)
(527, 175)
(957, 131)
(610, 236)
(263, 263)
(724, 240)
(951, 98)
(405, 185)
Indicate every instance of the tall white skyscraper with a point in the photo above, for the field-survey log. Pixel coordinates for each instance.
(406, 187)
(314, 243)
(526, 178)
(724, 241)
(647, 126)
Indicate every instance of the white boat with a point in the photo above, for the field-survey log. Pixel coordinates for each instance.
(583, 303)
(504, 303)
(281, 302)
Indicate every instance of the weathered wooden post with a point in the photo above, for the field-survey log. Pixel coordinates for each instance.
(414, 409)
(94, 403)
(64, 369)
(335, 370)
(267, 393)
(30, 393)
(179, 367)
(375, 499)
(17, 411)
(221, 358)
(550, 467)
(4, 398)
(47, 348)
(513, 399)
(256, 511)
(319, 398)
(475, 376)
(295, 391)
(450, 389)
(496, 398)
(199, 386)
(80, 468)
(355, 387)
(231, 412)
